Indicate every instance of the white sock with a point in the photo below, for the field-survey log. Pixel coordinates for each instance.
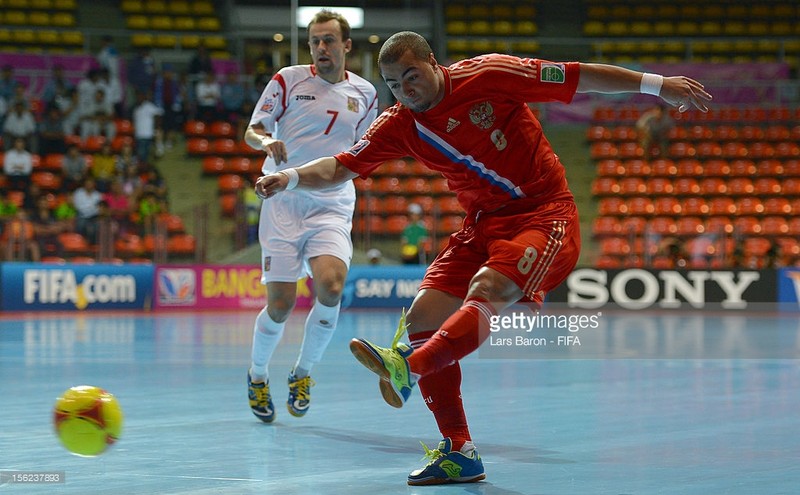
(320, 325)
(266, 336)
(468, 448)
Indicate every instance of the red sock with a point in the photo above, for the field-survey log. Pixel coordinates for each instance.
(460, 335)
(441, 391)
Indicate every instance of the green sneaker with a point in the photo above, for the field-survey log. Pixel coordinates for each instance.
(447, 466)
(390, 364)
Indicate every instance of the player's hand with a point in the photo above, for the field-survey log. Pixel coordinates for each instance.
(270, 185)
(684, 93)
(274, 148)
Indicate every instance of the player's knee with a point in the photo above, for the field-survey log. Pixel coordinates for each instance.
(279, 310)
(329, 290)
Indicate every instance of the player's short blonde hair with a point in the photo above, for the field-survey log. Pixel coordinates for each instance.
(326, 15)
(400, 43)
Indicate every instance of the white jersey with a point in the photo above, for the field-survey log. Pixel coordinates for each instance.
(315, 118)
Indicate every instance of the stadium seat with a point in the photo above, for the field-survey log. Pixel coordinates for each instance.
(721, 206)
(222, 129)
(739, 186)
(747, 226)
(636, 168)
(610, 168)
(47, 181)
(640, 206)
(777, 206)
(663, 167)
(774, 226)
(666, 206)
(223, 146)
(605, 226)
(73, 244)
(694, 206)
(194, 128)
(767, 186)
(770, 167)
(229, 183)
(612, 206)
(181, 245)
(659, 186)
(449, 205)
(630, 186)
(749, 206)
(719, 225)
(129, 246)
(197, 146)
(686, 186)
(689, 226)
(662, 226)
(228, 204)
(615, 246)
(213, 165)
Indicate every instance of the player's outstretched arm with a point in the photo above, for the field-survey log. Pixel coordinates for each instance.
(317, 174)
(679, 91)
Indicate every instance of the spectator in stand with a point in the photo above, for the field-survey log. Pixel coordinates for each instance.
(51, 132)
(57, 86)
(132, 182)
(46, 228)
(414, 237)
(109, 61)
(70, 111)
(142, 72)
(19, 239)
(104, 167)
(236, 109)
(208, 93)
(86, 200)
(170, 95)
(33, 193)
(18, 165)
(119, 206)
(154, 182)
(65, 211)
(8, 84)
(148, 209)
(200, 64)
(126, 158)
(19, 123)
(7, 209)
(74, 167)
(97, 118)
(653, 129)
(146, 127)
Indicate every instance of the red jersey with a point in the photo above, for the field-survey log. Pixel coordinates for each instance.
(481, 136)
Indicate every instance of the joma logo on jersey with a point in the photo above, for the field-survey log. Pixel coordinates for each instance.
(553, 73)
(305, 97)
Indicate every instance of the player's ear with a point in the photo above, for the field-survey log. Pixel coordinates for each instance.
(432, 60)
(348, 45)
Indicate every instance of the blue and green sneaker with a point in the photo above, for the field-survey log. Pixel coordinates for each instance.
(445, 466)
(390, 364)
(260, 400)
(299, 395)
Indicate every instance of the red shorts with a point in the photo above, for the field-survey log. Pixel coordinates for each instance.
(536, 247)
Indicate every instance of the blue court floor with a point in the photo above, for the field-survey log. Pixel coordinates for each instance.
(654, 403)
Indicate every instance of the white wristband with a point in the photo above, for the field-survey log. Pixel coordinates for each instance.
(293, 176)
(651, 84)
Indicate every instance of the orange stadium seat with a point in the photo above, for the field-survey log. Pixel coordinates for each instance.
(640, 206)
(749, 206)
(659, 186)
(689, 226)
(213, 165)
(777, 206)
(666, 206)
(612, 206)
(394, 205)
(197, 146)
(630, 186)
(181, 245)
(664, 167)
(223, 146)
(774, 226)
(695, 206)
(719, 224)
(722, 206)
(716, 168)
(229, 183)
(194, 128)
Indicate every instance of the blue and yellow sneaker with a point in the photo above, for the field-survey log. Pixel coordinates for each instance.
(299, 395)
(260, 400)
(445, 466)
(390, 364)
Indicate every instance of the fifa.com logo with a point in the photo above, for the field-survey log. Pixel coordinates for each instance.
(526, 322)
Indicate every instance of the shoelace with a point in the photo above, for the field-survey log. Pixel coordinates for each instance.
(401, 329)
(262, 395)
(431, 454)
(301, 388)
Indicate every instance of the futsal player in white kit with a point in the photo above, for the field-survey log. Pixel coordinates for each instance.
(306, 112)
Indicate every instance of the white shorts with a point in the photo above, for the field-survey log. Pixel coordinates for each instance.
(294, 228)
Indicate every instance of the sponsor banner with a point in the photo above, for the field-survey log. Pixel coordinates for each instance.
(590, 288)
(382, 286)
(37, 287)
(217, 287)
(789, 289)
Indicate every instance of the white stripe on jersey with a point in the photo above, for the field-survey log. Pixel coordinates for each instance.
(469, 162)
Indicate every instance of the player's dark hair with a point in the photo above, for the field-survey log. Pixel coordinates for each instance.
(326, 15)
(400, 43)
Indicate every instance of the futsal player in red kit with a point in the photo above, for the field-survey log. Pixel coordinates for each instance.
(470, 122)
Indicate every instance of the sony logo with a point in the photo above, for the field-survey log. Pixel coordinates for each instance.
(590, 288)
